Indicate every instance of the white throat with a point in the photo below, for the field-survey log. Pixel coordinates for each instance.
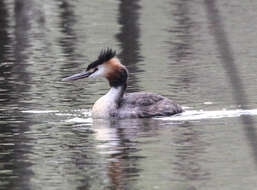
(114, 94)
(108, 103)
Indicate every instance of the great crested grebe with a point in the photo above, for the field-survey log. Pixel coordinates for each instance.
(118, 104)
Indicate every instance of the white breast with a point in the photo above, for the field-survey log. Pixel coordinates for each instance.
(106, 104)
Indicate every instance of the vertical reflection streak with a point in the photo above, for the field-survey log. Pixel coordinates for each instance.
(68, 42)
(181, 48)
(4, 68)
(13, 126)
(129, 38)
(189, 154)
(228, 62)
(190, 145)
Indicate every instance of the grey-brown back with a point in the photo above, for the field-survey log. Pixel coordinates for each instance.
(143, 105)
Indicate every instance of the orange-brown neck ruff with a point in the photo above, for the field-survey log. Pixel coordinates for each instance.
(116, 73)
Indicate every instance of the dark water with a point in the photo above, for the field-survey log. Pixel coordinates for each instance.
(200, 53)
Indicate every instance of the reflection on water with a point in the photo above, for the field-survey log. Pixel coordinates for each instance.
(129, 39)
(190, 147)
(178, 48)
(117, 141)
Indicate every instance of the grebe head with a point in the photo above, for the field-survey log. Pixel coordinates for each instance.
(108, 66)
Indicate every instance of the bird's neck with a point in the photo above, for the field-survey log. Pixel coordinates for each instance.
(115, 94)
(109, 103)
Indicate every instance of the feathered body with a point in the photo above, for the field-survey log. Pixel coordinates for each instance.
(116, 103)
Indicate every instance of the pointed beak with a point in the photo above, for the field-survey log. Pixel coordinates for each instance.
(78, 76)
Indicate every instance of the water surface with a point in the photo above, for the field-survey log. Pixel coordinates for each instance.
(199, 53)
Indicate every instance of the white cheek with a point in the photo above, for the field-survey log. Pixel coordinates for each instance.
(98, 73)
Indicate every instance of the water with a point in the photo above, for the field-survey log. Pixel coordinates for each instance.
(200, 53)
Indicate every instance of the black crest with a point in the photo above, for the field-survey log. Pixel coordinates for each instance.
(104, 56)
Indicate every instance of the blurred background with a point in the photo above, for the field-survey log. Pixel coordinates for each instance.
(199, 53)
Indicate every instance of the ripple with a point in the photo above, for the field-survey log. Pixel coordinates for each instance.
(201, 114)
